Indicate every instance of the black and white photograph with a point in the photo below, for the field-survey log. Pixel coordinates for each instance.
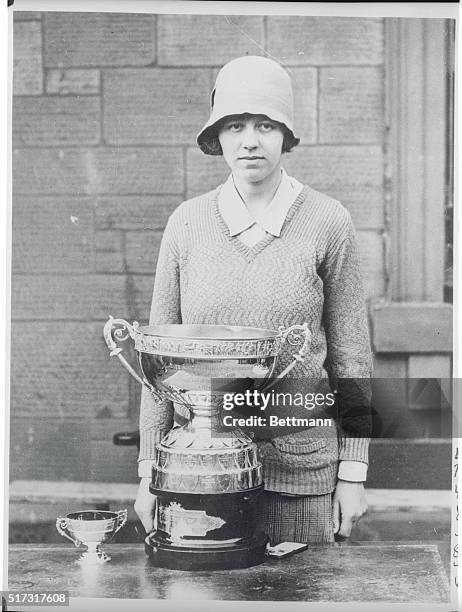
(231, 368)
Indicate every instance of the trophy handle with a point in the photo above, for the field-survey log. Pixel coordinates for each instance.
(292, 335)
(121, 519)
(61, 526)
(121, 334)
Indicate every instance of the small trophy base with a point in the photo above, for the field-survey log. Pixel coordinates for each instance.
(240, 555)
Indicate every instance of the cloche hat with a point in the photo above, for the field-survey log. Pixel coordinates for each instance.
(250, 84)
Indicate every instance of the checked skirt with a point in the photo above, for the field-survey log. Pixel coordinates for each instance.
(305, 519)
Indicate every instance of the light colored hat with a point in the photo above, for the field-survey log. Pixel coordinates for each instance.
(250, 84)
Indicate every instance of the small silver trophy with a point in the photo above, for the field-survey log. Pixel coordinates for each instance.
(91, 528)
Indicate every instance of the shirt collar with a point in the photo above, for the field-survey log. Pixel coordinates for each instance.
(238, 218)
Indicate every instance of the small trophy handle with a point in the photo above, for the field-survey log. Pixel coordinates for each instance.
(61, 526)
(292, 335)
(121, 334)
(121, 519)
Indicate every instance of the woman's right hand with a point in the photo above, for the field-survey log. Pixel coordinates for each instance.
(145, 505)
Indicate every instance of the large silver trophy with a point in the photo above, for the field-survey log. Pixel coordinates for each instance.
(207, 477)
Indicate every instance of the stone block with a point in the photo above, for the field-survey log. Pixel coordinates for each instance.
(52, 235)
(410, 464)
(351, 105)
(390, 366)
(98, 171)
(412, 327)
(56, 121)
(155, 105)
(79, 81)
(52, 171)
(142, 250)
(351, 174)
(318, 41)
(142, 287)
(26, 15)
(430, 366)
(304, 83)
(77, 297)
(103, 428)
(27, 58)
(49, 448)
(137, 171)
(208, 40)
(110, 251)
(111, 463)
(372, 263)
(99, 39)
(204, 172)
(62, 370)
(134, 212)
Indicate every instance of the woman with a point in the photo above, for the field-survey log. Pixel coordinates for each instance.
(264, 250)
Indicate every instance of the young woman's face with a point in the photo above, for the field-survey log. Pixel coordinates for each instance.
(252, 146)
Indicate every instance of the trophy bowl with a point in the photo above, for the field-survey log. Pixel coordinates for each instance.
(91, 528)
(206, 477)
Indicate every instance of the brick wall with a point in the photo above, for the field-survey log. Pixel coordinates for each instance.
(106, 108)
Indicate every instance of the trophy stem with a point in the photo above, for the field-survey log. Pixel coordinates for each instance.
(94, 554)
(205, 418)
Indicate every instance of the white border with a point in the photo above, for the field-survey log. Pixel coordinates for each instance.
(349, 9)
(5, 208)
(425, 10)
(457, 333)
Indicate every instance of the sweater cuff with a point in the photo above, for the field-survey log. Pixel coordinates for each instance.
(353, 448)
(352, 471)
(149, 438)
(145, 468)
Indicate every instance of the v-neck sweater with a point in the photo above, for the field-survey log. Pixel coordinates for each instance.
(309, 273)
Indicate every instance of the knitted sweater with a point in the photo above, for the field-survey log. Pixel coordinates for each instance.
(311, 273)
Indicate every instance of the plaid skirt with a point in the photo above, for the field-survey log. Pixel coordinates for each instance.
(296, 519)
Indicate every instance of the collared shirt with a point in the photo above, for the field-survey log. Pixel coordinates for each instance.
(251, 227)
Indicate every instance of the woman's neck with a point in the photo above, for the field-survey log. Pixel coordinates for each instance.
(258, 195)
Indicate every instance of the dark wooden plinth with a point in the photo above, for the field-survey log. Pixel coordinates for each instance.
(392, 572)
(246, 554)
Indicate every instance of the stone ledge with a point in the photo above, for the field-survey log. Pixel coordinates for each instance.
(39, 491)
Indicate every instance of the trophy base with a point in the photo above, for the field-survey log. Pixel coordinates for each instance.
(240, 555)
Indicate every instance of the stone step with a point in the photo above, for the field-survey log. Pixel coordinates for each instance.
(114, 493)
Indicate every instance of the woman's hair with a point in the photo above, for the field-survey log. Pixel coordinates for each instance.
(212, 145)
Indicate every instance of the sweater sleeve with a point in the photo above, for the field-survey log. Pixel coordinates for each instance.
(156, 417)
(349, 361)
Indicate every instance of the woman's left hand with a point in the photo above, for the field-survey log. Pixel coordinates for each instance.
(349, 505)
